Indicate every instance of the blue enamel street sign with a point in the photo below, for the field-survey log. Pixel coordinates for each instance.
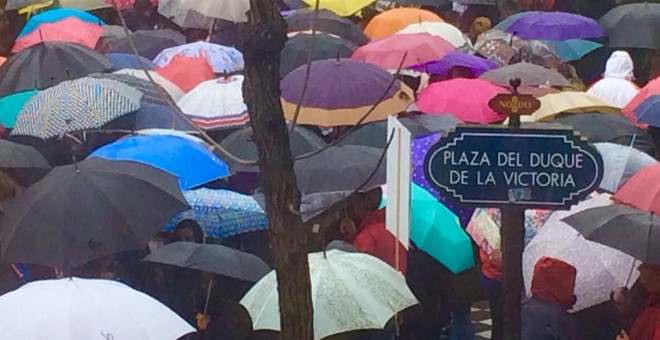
(498, 166)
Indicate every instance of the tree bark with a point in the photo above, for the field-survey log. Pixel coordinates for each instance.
(6, 32)
(260, 41)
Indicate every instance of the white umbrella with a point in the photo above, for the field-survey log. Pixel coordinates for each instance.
(216, 103)
(174, 91)
(202, 13)
(439, 29)
(73, 308)
(620, 163)
(600, 269)
(350, 291)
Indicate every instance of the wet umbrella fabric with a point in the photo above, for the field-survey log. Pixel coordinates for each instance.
(326, 46)
(126, 60)
(443, 30)
(11, 106)
(71, 30)
(149, 43)
(652, 88)
(572, 49)
(554, 26)
(80, 212)
(375, 134)
(18, 156)
(212, 258)
(48, 64)
(642, 191)
(216, 103)
(327, 22)
(58, 14)
(633, 25)
(475, 64)
(149, 93)
(505, 48)
(403, 50)
(648, 112)
(529, 74)
(187, 72)
(620, 164)
(394, 20)
(202, 13)
(222, 59)
(341, 7)
(172, 89)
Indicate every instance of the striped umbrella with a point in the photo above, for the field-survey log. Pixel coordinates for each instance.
(76, 105)
(216, 103)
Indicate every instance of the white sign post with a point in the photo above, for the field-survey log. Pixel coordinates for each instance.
(397, 219)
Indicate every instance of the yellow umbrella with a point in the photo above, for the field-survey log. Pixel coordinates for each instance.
(554, 104)
(85, 5)
(342, 8)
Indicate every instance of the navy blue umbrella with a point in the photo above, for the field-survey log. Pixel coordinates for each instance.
(127, 60)
(648, 112)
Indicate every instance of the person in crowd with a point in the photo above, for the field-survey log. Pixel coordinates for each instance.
(188, 231)
(491, 283)
(646, 325)
(617, 84)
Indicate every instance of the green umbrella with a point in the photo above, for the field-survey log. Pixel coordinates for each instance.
(11, 106)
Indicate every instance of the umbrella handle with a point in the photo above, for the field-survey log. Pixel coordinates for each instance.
(208, 296)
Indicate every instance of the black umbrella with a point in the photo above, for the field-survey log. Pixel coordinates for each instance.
(81, 212)
(18, 156)
(341, 168)
(634, 232)
(240, 144)
(212, 258)
(149, 43)
(529, 74)
(433, 122)
(633, 25)
(327, 22)
(47, 64)
(375, 134)
(326, 46)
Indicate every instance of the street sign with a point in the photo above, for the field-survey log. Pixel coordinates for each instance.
(505, 167)
(514, 104)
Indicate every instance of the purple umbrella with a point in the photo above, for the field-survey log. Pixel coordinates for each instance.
(476, 64)
(420, 146)
(555, 26)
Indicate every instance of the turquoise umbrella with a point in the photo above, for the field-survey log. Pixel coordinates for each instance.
(573, 49)
(11, 106)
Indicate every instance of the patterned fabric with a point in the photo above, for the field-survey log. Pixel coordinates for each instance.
(76, 105)
(216, 103)
(222, 213)
(484, 228)
(506, 49)
(222, 59)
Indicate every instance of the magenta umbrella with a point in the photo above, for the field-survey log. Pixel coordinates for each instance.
(465, 99)
(411, 49)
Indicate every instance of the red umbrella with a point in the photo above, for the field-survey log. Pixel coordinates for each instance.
(651, 89)
(71, 30)
(187, 72)
(465, 99)
(642, 190)
(416, 48)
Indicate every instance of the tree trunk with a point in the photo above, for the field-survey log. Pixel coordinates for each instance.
(6, 32)
(261, 40)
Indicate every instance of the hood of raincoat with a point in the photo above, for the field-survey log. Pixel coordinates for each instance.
(554, 281)
(620, 65)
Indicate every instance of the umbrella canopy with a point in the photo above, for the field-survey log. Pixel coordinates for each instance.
(18, 156)
(572, 49)
(469, 106)
(440, 29)
(396, 19)
(620, 163)
(342, 92)
(174, 91)
(150, 94)
(554, 26)
(77, 105)
(433, 3)
(633, 25)
(202, 13)
(212, 258)
(600, 269)
(47, 64)
(86, 5)
(634, 232)
(652, 88)
(326, 46)
(118, 206)
(649, 111)
(350, 291)
(222, 213)
(375, 134)
(642, 191)
(187, 72)
(327, 22)
(222, 59)
(433, 123)
(71, 30)
(149, 43)
(216, 103)
(11, 106)
(58, 14)
(529, 74)
(554, 104)
(403, 50)
(127, 60)
(112, 311)
(505, 48)
(361, 166)
(342, 8)
(171, 154)
(475, 64)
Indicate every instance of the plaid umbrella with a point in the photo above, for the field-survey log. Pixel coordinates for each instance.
(222, 213)
(76, 105)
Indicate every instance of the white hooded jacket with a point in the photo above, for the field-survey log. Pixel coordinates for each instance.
(616, 86)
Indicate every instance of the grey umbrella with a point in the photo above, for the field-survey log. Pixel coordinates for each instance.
(18, 156)
(213, 258)
(633, 25)
(620, 163)
(530, 74)
(634, 232)
(375, 134)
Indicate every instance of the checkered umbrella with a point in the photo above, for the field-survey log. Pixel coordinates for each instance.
(77, 105)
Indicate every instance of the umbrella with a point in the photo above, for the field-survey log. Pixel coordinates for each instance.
(620, 163)
(342, 8)
(554, 26)
(634, 232)
(83, 211)
(150, 94)
(241, 145)
(350, 291)
(327, 22)
(18, 156)
(71, 30)
(202, 13)
(326, 46)
(554, 104)
(394, 20)
(12, 105)
(58, 14)
(505, 48)
(403, 50)
(529, 74)
(376, 135)
(652, 88)
(222, 59)
(155, 116)
(86, 5)
(572, 49)
(633, 25)
(216, 103)
(362, 167)
(212, 258)
(13, 5)
(475, 64)
(168, 153)
(113, 32)
(600, 269)
(649, 111)
(641, 191)
(222, 213)
(433, 3)
(440, 29)
(469, 106)
(342, 92)
(127, 60)
(48, 64)
(433, 123)
(187, 72)
(112, 311)
(174, 91)
(76, 105)
(149, 43)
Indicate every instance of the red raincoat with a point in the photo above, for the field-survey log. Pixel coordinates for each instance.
(375, 240)
(554, 281)
(647, 324)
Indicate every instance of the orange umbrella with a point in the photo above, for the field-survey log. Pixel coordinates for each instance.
(392, 21)
(187, 72)
(2, 60)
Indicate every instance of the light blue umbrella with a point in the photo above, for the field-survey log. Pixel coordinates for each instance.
(190, 161)
(57, 14)
(12, 105)
(573, 49)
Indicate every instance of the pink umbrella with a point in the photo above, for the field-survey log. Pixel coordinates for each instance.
(126, 4)
(389, 52)
(71, 30)
(465, 99)
(187, 72)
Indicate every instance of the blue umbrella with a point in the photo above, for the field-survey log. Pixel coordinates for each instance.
(126, 60)
(554, 26)
(57, 14)
(648, 112)
(222, 213)
(190, 161)
(573, 49)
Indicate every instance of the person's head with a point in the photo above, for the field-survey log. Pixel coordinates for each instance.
(479, 25)
(619, 65)
(649, 277)
(188, 231)
(553, 281)
(460, 72)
